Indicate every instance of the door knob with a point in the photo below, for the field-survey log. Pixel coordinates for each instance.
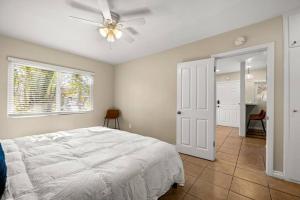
(294, 111)
(178, 112)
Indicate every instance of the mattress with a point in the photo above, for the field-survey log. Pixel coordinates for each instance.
(93, 163)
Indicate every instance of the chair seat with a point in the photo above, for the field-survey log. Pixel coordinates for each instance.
(261, 116)
(256, 117)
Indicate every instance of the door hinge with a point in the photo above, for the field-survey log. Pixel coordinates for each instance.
(214, 144)
(215, 68)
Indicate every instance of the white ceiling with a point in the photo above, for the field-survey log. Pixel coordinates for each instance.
(253, 61)
(170, 24)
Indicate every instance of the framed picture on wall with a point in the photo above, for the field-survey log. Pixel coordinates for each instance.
(260, 91)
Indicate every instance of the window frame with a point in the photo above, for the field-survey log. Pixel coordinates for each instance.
(59, 69)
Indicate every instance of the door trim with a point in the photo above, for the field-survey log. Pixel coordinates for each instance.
(269, 48)
(242, 100)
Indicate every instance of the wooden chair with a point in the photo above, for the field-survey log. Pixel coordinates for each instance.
(112, 114)
(258, 117)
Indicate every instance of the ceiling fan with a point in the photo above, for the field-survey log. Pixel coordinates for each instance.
(111, 27)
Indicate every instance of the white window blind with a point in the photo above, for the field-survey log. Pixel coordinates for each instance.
(41, 89)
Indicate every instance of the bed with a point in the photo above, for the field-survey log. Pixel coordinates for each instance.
(93, 163)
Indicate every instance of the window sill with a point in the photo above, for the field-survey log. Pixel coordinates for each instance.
(45, 114)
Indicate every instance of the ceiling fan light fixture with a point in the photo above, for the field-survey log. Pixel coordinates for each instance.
(118, 33)
(110, 37)
(103, 32)
(110, 33)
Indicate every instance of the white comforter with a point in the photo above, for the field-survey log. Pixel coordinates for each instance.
(90, 164)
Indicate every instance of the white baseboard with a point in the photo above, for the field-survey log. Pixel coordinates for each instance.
(278, 174)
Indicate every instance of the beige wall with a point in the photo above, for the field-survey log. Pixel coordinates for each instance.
(145, 89)
(103, 90)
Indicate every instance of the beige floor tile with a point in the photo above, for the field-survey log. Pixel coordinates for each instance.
(207, 191)
(250, 189)
(226, 157)
(229, 150)
(235, 196)
(234, 140)
(255, 176)
(251, 167)
(219, 142)
(234, 133)
(183, 156)
(217, 178)
(284, 186)
(189, 181)
(277, 195)
(254, 141)
(230, 145)
(222, 166)
(235, 136)
(220, 139)
(198, 161)
(190, 197)
(252, 161)
(223, 128)
(252, 149)
(191, 169)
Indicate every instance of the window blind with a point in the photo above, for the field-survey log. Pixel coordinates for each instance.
(41, 89)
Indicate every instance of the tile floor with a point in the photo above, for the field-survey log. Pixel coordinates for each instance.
(237, 174)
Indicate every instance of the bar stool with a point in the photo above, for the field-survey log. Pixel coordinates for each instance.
(258, 117)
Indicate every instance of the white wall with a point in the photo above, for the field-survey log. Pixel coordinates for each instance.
(103, 90)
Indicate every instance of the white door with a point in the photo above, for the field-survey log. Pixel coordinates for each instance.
(294, 136)
(196, 109)
(294, 30)
(228, 99)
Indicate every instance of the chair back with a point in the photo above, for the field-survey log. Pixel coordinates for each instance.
(262, 114)
(112, 114)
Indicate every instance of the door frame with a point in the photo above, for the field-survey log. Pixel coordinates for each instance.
(269, 48)
(286, 100)
(242, 129)
(224, 82)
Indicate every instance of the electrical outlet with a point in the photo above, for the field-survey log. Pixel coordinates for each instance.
(129, 125)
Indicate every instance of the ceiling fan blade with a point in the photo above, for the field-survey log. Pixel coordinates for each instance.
(133, 22)
(132, 31)
(86, 21)
(127, 36)
(104, 6)
(135, 12)
(81, 6)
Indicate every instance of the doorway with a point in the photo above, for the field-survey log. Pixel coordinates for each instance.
(196, 104)
(244, 81)
(241, 87)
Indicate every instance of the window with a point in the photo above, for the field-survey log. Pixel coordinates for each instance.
(42, 89)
